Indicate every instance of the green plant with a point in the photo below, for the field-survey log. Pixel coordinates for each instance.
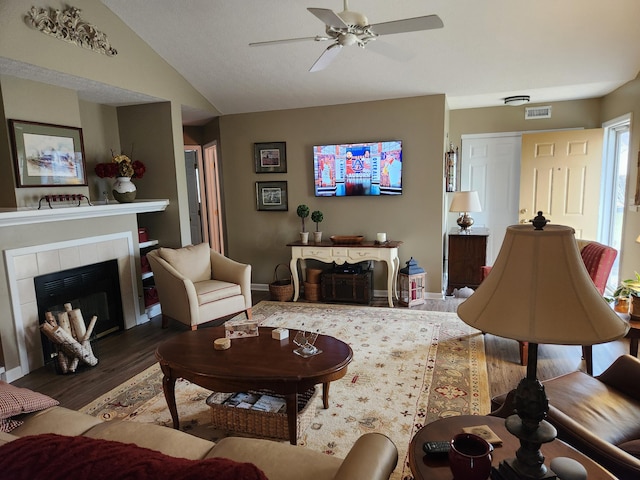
(303, 212)
(628, 287)
(316, 216)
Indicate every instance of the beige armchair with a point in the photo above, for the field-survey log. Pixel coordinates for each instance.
(197, 285)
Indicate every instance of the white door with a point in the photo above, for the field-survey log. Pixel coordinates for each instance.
(490, 165)
(560, 176)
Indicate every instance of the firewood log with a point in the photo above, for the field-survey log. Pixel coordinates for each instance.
(85, 342)
(63, 361)
(77, 322)
(63, 321)
(68, 344)
(50, 319)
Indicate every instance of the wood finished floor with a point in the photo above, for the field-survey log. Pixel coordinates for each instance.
(124, 354)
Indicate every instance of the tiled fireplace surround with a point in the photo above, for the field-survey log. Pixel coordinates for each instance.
(23, 264)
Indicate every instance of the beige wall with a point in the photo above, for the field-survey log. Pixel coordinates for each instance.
(415, 217)
(570, 114)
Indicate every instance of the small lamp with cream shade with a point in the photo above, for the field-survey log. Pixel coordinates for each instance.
(539, 291)
(463, 203)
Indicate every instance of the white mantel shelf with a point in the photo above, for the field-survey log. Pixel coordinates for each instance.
(26, 216)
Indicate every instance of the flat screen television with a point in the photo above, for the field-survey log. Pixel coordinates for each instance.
(358, 169)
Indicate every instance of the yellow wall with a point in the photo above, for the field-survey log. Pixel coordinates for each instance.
(415, 217)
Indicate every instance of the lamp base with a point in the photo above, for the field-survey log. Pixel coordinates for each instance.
(506, 471)
(464, 221)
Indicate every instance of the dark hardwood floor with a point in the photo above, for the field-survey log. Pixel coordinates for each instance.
(125, 354)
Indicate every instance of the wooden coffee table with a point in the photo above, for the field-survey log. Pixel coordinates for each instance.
(252, 363)
(437, 468)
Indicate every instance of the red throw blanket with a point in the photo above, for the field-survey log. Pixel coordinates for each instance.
(58, 457)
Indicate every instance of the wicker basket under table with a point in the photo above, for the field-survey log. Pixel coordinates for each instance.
(262, 424)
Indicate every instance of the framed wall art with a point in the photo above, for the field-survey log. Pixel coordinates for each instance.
(272, 196)
(47, 155)
(270, 157)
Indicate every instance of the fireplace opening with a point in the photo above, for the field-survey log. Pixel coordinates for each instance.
(94, 289)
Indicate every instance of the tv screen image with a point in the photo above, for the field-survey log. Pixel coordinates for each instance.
(358, 169)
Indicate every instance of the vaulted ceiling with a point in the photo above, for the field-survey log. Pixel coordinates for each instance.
(487, 50)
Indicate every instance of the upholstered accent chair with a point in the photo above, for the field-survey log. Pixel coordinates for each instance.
(197, 285)
(598, 259)
(597, 415)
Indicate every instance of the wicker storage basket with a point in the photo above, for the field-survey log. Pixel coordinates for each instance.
(262, 424)
(312, 291)
(281, 290)
(313, 275)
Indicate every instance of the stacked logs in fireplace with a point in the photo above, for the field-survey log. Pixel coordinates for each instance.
(71, 338)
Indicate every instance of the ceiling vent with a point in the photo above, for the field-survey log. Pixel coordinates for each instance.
(532, 113)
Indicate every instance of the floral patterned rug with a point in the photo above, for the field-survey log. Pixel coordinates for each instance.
(409, 367)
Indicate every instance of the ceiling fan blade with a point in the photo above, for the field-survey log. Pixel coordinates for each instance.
(390, 51)
(288, 40)
(428, 22)
(328, 17)
(326, 58)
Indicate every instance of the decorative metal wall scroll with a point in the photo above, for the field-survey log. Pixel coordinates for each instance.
(68, 26)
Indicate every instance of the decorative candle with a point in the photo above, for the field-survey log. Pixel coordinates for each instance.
(381, 237)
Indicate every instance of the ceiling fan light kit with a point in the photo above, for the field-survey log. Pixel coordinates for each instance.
(349, 28)
(517, 100)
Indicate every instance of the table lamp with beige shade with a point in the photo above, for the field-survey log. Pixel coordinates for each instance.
(463, 203)
(539, 291)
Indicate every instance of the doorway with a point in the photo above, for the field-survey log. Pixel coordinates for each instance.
(193, 167)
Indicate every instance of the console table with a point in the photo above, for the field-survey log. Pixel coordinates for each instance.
(329, 252)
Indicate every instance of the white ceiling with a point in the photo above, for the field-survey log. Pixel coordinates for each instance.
(552, 50)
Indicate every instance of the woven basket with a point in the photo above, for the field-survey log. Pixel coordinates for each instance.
(312, 291)
(313, 275)
(262, 424)
(281, 290)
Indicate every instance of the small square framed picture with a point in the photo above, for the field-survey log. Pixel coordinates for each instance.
(272, 196)
(270, 157)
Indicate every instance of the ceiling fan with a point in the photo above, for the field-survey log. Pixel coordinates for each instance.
(349, 28)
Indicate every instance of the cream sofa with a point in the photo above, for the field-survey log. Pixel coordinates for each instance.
(372, 457)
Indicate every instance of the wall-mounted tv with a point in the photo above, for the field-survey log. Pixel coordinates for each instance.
(358, 169)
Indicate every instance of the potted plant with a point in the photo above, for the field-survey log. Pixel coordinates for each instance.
(317, 217)
(628, 295)
(303, 212)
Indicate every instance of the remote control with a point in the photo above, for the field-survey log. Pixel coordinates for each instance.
(436, 448)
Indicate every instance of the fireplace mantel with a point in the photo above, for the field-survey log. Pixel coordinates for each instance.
(24, 216)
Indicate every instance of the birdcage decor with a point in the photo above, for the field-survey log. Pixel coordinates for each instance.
(412, 281)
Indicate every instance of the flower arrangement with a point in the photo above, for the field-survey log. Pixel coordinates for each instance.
(121, 166)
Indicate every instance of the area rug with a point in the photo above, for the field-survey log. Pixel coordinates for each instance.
(409, 368)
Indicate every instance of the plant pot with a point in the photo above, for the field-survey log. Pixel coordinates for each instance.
(304, 237)
(621, 304)
(317, 237)
(124, 190)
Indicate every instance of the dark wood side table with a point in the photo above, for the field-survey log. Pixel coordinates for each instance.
(437, 468)
(467, 253)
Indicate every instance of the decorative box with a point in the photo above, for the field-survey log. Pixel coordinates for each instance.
(279, 333)
(143, 235)
(241, 328)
